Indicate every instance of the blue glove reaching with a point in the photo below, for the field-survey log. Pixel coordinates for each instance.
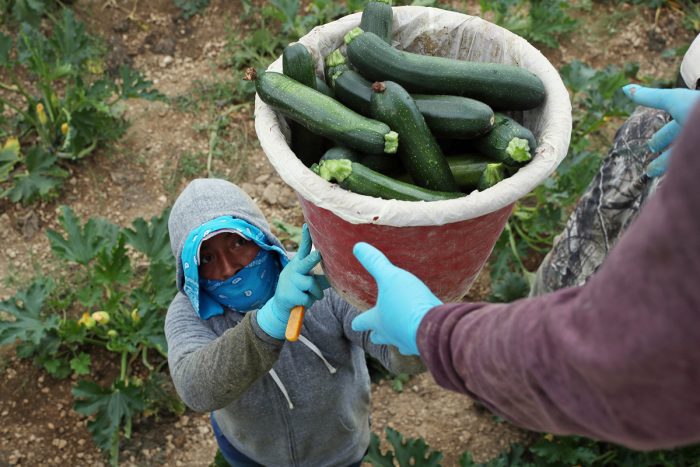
(402, 302)
(295, 286)
(677, 102)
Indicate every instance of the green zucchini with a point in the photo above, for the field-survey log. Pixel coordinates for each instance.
(353, 90)
(323, 115)
(379, 162)
(321, 86)
(334, 63)
(377, 17)
(475, 171)
(357, 178)
(298, 64)
(467, 169)
(455, 116)
(498, 85)
(419, 152)
(508, 142)
(493, 173)
(447, 116)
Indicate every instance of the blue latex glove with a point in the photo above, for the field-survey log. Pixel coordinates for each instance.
(295, 286)
(678, 102)
(402, 302)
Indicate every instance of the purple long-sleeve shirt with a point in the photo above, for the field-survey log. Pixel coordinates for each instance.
(617, 359)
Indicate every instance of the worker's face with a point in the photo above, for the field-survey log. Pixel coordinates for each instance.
(223, 255)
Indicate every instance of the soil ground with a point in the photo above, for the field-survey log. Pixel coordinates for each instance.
(165, 146)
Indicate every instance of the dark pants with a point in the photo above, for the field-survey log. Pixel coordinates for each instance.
(235, 457)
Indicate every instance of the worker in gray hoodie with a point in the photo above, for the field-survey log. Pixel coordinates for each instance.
(272, 402)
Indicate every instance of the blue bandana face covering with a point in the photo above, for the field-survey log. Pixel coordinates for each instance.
(249, 288)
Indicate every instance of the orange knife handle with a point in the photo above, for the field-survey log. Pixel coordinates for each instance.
(296, 317)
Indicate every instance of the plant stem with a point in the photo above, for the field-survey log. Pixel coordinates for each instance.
(122, 375)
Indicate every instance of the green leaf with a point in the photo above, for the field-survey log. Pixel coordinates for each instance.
(509, 287)
(113, 409)
(412, 451)
(375, 456)
(26, 306)
(56, 367)
(5, 48)
(28, 11)
(8, 159)
(191, 7)
(151, 239)
(70, 43)
(112, 265)
(81, 364)
(290, 232)
(82, 244)
(134, 85)
(42, 177)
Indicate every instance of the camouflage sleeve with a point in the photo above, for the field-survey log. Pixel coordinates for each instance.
(603, 213)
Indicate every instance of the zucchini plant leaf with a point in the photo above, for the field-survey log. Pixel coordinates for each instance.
(112, 264)
(42, 177)
(113, 409)
(28, 11)
(375, 456)
(412, 451)
(70, 43)
(134, 85)
(509, 287)
(5, 47)
(81, 364)
(152, 238)
(9, 157)
(81, 244)
(29, 324)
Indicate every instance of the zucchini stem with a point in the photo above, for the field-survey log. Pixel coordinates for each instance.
(335, 169)
(519, 150)
(492, 174)
(335, 58)
(391, 142)
(353, 33)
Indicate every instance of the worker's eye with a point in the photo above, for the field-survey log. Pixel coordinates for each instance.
(206, 258)
(239, 241)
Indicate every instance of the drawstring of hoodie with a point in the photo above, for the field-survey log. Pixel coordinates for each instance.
(279, 384)
(275, 377)
(317, 351)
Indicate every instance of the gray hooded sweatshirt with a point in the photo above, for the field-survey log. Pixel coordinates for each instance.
(281, 403)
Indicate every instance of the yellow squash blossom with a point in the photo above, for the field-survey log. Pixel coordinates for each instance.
(87, 321)
(101, 317)
(41, 113)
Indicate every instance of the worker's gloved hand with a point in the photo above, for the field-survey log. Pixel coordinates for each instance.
(678, 102)
(402, 302)
(295, 286)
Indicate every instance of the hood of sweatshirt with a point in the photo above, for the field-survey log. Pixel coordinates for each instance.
(203, 200)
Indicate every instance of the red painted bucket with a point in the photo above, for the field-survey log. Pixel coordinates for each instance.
(444, 243)
(447, 258)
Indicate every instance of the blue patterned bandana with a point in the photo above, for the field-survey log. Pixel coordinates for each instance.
(244, 291)
(248, 289)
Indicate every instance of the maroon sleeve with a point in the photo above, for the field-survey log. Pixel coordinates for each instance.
(617, 359)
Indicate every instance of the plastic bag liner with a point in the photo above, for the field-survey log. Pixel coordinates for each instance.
(444, 243)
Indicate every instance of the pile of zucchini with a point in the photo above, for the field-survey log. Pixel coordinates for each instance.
(399, 125)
